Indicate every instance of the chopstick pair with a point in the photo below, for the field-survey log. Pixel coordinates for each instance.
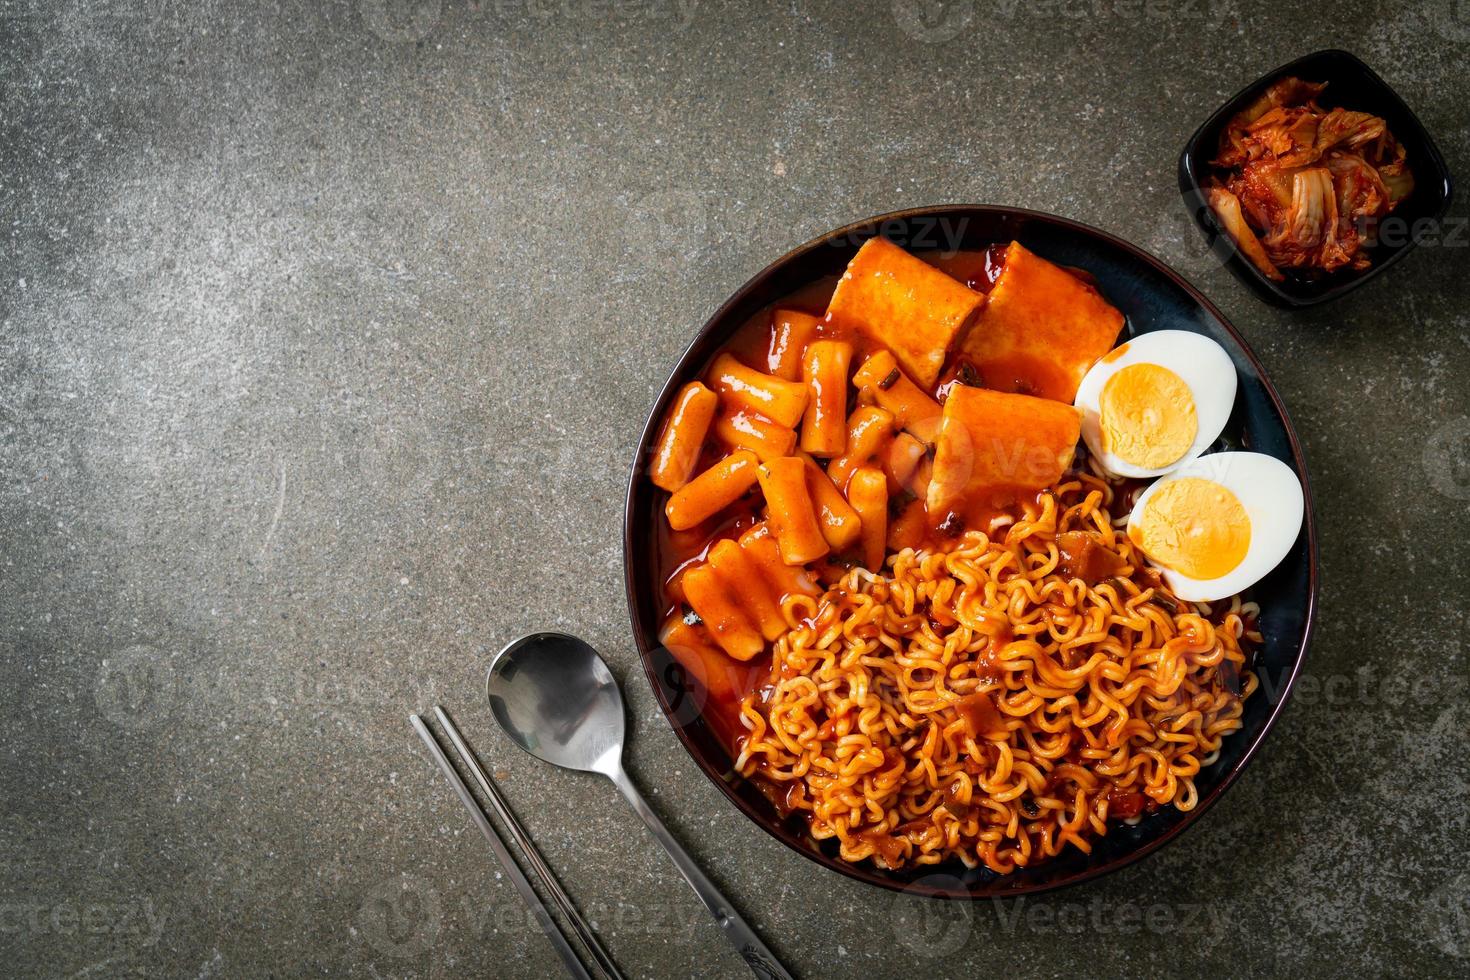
(606, 967)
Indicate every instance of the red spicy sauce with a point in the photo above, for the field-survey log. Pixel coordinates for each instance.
(679, 550)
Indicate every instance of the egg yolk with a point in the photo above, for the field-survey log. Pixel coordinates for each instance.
(1193, 526)
(1146, 416)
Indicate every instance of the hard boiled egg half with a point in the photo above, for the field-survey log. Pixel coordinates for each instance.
(1156, 401)
(1219, 523)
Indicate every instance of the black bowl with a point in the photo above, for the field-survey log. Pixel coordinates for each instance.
(1350, 85)
(1153, 297)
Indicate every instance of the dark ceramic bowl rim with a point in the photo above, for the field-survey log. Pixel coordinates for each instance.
(1191, 186)
(635, 578)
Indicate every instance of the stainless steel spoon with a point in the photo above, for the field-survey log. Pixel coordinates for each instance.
(556, 699)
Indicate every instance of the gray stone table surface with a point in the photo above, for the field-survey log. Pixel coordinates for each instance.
(327, 331)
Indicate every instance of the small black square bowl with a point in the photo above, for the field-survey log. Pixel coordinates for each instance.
(1351, 85)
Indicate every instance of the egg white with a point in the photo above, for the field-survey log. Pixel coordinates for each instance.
(1271, 494)
(1200, 363)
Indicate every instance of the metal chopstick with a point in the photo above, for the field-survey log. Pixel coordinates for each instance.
(528, 848)
(517, 878)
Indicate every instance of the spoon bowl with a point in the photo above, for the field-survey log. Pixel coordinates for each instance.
(556, 698)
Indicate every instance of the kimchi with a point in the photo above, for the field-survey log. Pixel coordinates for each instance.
(1303, 187)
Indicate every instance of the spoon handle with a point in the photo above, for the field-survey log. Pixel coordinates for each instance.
(762, 961)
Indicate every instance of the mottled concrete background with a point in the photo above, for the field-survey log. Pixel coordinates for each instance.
(326, 331)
